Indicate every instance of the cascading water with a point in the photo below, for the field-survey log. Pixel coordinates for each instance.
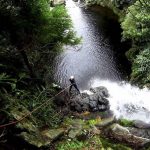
(127, 101)
(95, 64)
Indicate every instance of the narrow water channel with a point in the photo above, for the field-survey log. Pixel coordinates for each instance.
(93, 63)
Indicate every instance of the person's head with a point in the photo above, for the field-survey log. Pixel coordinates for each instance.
(71, 77)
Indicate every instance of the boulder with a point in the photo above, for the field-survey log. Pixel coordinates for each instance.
(105, 122)
(58, 2)
(145, 133)
(140, 124)
(41, 139)
(123, 134)
(94, 102)
(101, 90)
(75, 128)
(52, 134)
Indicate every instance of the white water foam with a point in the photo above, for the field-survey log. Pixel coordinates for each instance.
(127, 101)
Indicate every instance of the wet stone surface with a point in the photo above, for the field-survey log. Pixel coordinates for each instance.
(97, 101)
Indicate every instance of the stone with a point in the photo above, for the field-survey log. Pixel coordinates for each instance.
(52, 134)
(43, 138)
(141, 124)
(77, 107)
(102, 107)
(93, 102)
(75, 129)
(95, 131)
(101, 90)
(103, 100)
(94, 97)
(105, 122)
(85, 107)
(119, 129)
(145, 133)
(58, 2)
(34, 139)
(26, 124)
(84, 101)
(122, 134)
(74, 132)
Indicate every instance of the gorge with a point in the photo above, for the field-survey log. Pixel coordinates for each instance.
(94, 63)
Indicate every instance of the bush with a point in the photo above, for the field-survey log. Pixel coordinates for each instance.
(141, 67)
(137, 21)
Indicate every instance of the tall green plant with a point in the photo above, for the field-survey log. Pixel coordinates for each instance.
(34, 28)
(141, 68)
(137, 21)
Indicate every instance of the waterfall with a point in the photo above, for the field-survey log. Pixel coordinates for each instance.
(127, 101)
(96, 62)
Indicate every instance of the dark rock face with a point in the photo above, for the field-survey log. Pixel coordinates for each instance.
(94, 102)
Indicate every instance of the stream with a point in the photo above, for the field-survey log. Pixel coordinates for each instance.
(93, 63)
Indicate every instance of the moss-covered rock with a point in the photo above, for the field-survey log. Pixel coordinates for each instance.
(27, 123)
(93, 143)
(122, 134)
(29, 131)
(126, 123)
(34, 139)
(113, 145)
(43, 138)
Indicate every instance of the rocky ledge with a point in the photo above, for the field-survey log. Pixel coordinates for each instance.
(86, 127)
(96, 101)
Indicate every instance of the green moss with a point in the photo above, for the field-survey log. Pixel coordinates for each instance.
(126, 123)
(109, 144)
(93, 143)
(71, 145)
(94, 122)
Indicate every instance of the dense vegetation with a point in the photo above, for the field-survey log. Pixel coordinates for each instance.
(136, 26)
(31, 34)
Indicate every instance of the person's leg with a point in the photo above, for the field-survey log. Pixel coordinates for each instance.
(76, 88)
(70, 88)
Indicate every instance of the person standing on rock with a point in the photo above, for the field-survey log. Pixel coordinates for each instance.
(73, 83)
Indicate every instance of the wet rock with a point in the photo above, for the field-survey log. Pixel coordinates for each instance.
(141, 124)
(52, 134)
(75, 128)
(105, 122)
(123, 134)
(58, 2)
(26, 124)
(102, 107)
(33, 139)
(94, 102)
(145, 133)
(101, 90)
(27, 130)
(62, 98)
(74, 132)
(76, 107)
(94, 97)
(41, 139)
